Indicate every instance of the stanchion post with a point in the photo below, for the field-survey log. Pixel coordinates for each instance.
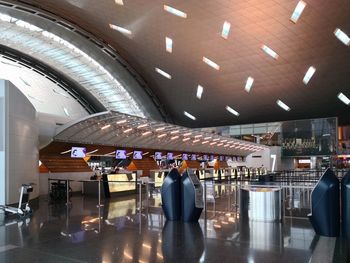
(99, 193)
(67, 192)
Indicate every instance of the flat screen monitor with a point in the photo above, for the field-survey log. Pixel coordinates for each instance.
(120, 154)
(205, 157)
(234, 159)
(239, 159)
(211, 157)
(137, 155)
(221, 158)
(184, 156)
(78, 152)
(193, 157)
(170, 156)
(158, 155)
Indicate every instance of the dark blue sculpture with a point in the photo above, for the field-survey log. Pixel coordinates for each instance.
(345, 205)
(171, 195)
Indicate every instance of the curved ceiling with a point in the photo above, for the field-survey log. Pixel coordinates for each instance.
(308, 42)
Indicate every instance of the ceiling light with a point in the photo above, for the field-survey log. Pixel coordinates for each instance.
(188, 134)
(207, 138)
(142, 126)
(174, 138)
(269, 51)
(119, 2)
(199, 91)
(310, 72)
(229, 109)
(211, 63)
(68, 151)
(344, 98)
(213, 143)
(120, 29)
(217, 139)
(196, 141)
(225, 29)
(160, 129)
(205, 142)
(163, 73)
(186, 139)
(145, 153)
(175, 11)
(162, 135)
(226, 145)
(66, 111)
(198, 136)
(342, 37)
(106, 126)
(224, 141)
(128, 130)
(189, 115)
(249, 84)
(96, 150)
(173, 132)
(298, 11)
(283, 105)
(169, 44)
(121, 122)
(220, 144)
(146, 133)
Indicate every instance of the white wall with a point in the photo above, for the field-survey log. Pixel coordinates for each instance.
(21, 143)
(76, 186)
(2, 143)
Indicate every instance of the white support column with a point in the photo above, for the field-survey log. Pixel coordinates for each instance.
(2, 143)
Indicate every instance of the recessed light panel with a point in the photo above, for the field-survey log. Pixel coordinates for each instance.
(188, 115)
(105, 127)
(342, 37)
(283, 105)
(211, 63)
(298, 11)
(344, 98)
(169, 44)
(226, 30)
(269, 51)
(119, 2)
(310, 72)
(163, 73)
(229, 109)
(120, 29)
(199, 91)
(249, 84)
(174, 11)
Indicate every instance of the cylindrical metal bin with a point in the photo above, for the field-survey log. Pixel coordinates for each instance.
(261, 203)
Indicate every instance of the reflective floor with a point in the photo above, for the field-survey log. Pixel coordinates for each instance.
(119, 232)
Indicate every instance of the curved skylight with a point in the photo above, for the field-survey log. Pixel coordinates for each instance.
(70, 60)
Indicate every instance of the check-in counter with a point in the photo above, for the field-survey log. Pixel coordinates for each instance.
(230, 173)
(201, 174)
(261, 203)
(157, 176)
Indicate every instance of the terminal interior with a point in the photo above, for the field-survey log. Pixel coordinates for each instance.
(174, 131)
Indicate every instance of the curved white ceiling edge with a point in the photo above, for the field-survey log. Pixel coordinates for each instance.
(70, 60)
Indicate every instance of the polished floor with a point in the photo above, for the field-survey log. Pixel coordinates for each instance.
(119, 232)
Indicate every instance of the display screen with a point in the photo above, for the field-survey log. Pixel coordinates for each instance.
(169, 156)
(137, 155)
(120, 154)
(158, 155)
(205, 157)
(193, 157)
(78, 152)
(184, 156)
(221, 158)
(211, 157)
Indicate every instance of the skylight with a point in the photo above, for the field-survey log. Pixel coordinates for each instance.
(174, 11)
(120, 29)
(229, 109)
(211, 63)
(163, 73)
(249, 84)
(342, 36)
(119, 2)
(269, 51)
(168, 44)
(189, 115)
(344, 98)
(283, 105)
(310, 72)
(298, 11)
(199, 92)
(226, 30)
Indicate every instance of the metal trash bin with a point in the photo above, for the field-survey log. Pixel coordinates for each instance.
(261, 203)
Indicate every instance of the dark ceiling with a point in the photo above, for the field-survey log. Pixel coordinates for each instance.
(309, 42)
